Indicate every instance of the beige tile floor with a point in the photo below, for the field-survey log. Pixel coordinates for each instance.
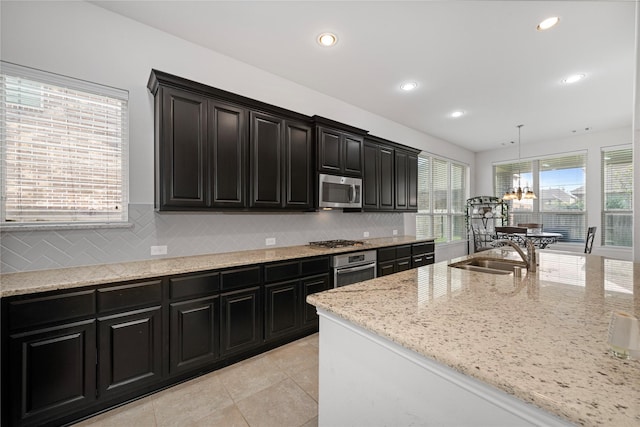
(277, 388)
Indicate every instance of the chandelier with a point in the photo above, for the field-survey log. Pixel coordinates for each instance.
(519, 193)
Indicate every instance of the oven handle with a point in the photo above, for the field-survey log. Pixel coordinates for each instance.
(359, 268)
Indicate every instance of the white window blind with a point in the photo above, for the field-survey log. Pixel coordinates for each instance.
(442, 194)
(617, 197)
(559, 183)
(63, 147)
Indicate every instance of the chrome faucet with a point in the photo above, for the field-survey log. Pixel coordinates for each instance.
(529, 258)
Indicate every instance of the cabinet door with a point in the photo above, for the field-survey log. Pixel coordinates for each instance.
(53, 372)
(227, 142)
(352, 155)
(281, 309)
(403, 264)
(241, 324)
(130, 350)
(329, 151)
(183, 150)
(311, 286)
(298, 166)
(371, 177)
(387, 179)
(412, 182)
(401, 180)
(266, 160)
(193, 334)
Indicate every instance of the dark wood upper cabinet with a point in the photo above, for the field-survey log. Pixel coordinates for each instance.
(182, 148)
(227, 144)
(406, 180)
(340, 148)
(401, 180)
(371, 176)
(412, 182)
(266, 160)
(298, 166)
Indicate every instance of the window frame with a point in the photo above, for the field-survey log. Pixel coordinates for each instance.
(10, 71)
(451, 217)
(603, 185)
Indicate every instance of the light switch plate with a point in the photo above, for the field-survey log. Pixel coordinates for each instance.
(159, 250)
(395, 232)
(270, 241)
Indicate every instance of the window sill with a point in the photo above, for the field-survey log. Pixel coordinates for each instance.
(4, 228)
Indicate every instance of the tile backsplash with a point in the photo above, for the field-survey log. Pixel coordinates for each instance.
(183, 234)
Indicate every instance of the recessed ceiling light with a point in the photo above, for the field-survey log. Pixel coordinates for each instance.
(408, 86)
(457, 114)
(548, 23)
(327, 39)
(574, 78)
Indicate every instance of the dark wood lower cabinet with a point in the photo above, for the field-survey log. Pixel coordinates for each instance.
(281, 309)
(310, 286)
(241, 324)
(193, 334)
(53, 372)
(130, 353)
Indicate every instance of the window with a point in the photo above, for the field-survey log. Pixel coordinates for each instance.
(559, 183)
(617, 192)
(63, 149)
(442, 194)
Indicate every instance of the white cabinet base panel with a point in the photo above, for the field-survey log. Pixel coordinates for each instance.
(366, 380)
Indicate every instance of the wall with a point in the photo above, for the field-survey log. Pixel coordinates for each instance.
(81, 40)
(591, 142)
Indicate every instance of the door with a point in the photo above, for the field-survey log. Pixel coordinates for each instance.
(387, 179)
(412, 182)
(240, 325)
(352, 155)
(401, 180)
(298, 168)
(329, 151)
(310, 286)
(130, 350)
(183, 150)
(53, 372)
(266, 160)
(227, 142)
(281, 309)
(370, 177)
(193, 334)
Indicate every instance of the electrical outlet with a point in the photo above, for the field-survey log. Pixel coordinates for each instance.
(270, 241)
(395, 232)
(365, 234)
(159, 250)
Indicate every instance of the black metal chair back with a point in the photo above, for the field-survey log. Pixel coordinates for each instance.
(588, 244)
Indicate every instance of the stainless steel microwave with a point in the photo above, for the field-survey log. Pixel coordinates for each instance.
(339, 192)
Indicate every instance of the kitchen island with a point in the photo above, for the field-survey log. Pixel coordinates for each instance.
(440, 345)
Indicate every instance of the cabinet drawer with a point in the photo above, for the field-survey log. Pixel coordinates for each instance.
(51, 309)
(386, 254)
(240, 277)
(191, 286)
(403, 251)
(403, 264)
(129, 296)
(422, 248)
(281, 271)
(315, 266)
(420, 260)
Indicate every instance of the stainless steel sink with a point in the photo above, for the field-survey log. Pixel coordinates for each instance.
(489, 265)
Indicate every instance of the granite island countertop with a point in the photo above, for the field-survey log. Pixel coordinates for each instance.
(73, 277)
(541, 338)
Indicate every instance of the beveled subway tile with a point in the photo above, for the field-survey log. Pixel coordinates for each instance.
(283, 404)
(250, 376)
(307, 379)
(191, 401)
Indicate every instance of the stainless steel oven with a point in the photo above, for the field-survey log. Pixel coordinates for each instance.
(353, 267)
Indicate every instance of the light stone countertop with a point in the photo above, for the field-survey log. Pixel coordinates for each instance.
(68, 278)
(541, 338)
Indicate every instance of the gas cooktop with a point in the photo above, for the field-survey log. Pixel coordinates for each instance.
(336, 243)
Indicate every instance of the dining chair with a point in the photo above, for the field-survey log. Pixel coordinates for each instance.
(588, 244)
(531, 227)
(512, 233)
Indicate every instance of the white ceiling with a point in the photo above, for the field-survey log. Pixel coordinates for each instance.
(483, 57)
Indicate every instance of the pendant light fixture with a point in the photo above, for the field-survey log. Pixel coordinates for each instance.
(519, 193)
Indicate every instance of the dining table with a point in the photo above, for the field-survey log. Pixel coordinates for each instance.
(540, 239)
